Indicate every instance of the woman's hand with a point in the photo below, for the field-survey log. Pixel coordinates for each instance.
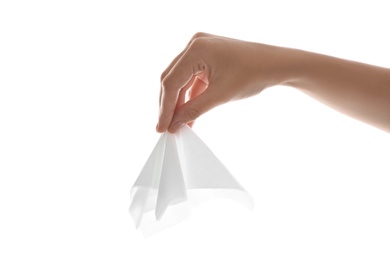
(213, 70)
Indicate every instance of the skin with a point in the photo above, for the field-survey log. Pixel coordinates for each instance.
(213, 70)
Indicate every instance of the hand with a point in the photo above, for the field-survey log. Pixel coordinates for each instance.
(214, 70)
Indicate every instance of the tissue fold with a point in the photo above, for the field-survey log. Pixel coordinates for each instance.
(180, 173)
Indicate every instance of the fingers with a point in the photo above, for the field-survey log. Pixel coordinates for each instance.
(183, 92)
(197, 88)
(201, 101)
(190, 111)
(176, 82)
(171, 94)
(173, 63)
(179, 78)
(167, 70)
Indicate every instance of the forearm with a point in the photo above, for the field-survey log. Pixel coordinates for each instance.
(359, 90)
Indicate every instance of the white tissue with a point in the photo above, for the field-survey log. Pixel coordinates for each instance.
(181, 173)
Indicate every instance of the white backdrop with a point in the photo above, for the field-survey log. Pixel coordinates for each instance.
(79, 86)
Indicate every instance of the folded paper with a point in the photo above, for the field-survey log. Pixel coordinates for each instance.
(181, 173)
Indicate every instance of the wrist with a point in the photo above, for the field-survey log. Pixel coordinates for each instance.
(292, 68)
(279, 66)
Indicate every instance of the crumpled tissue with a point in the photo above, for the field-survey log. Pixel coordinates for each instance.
(181, 173)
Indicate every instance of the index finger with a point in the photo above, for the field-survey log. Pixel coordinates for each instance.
(168, 69)
(178, 77)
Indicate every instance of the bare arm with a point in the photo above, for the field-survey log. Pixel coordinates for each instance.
(359, 90)
(215, 70)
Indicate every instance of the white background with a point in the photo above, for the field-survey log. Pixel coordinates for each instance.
(79, 86)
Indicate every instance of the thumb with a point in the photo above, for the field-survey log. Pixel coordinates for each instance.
(190, 111)
(197, 88)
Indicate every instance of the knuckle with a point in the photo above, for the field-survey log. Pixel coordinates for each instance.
(198, 43)
(167, 85)
(162, 76)
(198, 35)
(164, 83)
